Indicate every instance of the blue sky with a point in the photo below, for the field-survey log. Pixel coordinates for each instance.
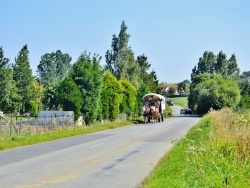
(172, 34)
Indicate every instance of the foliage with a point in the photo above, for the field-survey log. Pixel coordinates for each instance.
(213, 91)
(69, 97)
(120, 59)
(49, 99)
(105, 102)
(9, 97)
(22, 74)
(53, 68)
(87, 75)
(142, 90)
(244, 84)
(245, 102)
(171, 91)
(33, 107)
(150, 79)
(128, 97)
(51, 71)
(244, 87)
(183, 87)
(219, 64)
(114, 95)
(245, 75)
(215, 153)
(36, 91)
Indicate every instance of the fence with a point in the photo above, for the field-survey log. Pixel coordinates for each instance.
(16, 125)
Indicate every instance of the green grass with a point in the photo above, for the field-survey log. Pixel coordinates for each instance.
(208, 156)
(181, 101)
(60, 132)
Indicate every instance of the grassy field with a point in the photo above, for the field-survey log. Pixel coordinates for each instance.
(181, 101)
(215, 153)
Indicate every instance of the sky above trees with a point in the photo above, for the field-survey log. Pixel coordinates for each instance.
(172, 34)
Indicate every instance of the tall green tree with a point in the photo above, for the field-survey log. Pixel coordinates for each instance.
(52, 70)
(9, 97)
(233, 69)
(219, 64)
(120, 59)
(141, 91)
(128, 97)
(87, 75)
(213, 91)
(69, 97)
(113, 90)
(149, 78)
(23, 76)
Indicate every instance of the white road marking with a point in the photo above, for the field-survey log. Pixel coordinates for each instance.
(96, 145)
(141, 131)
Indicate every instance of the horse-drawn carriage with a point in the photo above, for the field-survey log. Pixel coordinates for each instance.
(153, 107)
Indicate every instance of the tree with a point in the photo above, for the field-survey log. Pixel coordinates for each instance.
(70, 97)
(144, 65)
(183, 87)
(128, 97)
(233, 69)
(150, 79)
(114, 95)
(216, 92)
(87, 75)
(120, 59)
(36, 91)
(141, 91)
(51, 71)
(9, 97)
(171, 91)
(219, 64)
(53, 68)
(23, 76)
(244, 85)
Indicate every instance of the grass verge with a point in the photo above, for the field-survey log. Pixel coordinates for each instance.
(60, 132)
(215, 153)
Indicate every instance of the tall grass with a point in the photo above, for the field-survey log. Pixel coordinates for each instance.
(215, 153)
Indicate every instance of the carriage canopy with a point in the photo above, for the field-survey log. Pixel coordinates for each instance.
(154, 97)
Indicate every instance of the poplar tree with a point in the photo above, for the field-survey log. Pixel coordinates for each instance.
(120, 59)
(23, 77)
(87, 75)
(9, 97)
(113, 95)
(129, 94)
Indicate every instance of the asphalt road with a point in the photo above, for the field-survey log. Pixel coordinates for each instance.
(119, 157)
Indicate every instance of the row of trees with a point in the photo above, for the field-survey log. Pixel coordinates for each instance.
(84, 87)
(216, 83)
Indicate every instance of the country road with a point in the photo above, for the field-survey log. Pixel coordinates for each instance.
(114, 158)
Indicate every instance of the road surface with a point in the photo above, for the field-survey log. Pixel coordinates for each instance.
(119, 157)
